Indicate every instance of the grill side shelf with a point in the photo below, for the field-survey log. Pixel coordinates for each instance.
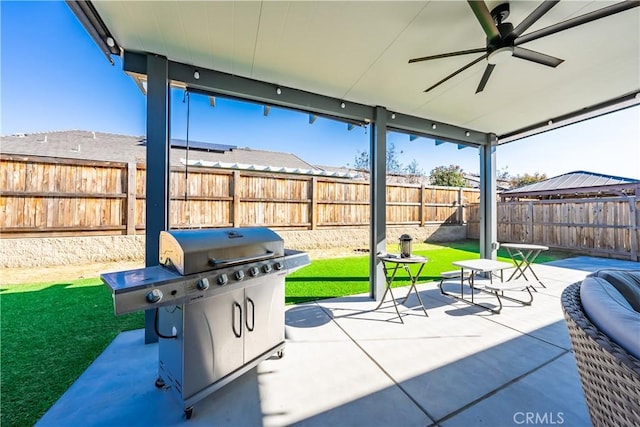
(132, 280)
(144, 288)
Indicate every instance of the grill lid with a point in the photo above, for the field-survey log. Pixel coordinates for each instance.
(196, 251)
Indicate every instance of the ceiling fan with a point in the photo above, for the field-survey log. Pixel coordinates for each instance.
(504, 41)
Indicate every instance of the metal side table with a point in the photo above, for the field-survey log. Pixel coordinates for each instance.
(527, 254)
(391, 264)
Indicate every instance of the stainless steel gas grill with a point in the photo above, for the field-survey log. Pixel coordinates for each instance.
(219, 301)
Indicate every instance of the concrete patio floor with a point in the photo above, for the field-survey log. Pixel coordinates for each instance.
(345, 365)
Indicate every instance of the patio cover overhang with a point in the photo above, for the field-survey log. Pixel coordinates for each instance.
(349, 61)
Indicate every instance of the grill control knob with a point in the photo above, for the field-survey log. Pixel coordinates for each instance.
(222, 279)
(239, 275)
(203, 284)
(154, 296)
(266, 268)
(279, 266)
(253, 271)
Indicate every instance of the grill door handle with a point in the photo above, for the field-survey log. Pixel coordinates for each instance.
(222, 262)
(253, 315)
(238, 334)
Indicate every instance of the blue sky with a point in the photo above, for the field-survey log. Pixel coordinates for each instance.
(53, 77)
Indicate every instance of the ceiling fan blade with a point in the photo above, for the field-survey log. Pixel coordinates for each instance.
(540, 58)
(578, 20)
(455, 73)
(485, 77)
(446, 55)
(538, 13)
(483, 15)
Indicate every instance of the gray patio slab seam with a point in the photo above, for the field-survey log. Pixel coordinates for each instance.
(495, 391)
(332, 384)
(417, 403)
(334, 378)
(485, 350)
(544, 327)
(547, 404)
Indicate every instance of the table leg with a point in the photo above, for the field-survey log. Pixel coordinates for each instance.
(471, 281)
(517, 264)
(389, 281)
(530, 259)
(414, 279)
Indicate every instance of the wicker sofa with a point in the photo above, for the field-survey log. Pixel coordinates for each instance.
(610, 373)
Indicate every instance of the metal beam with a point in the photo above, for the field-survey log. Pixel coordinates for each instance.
(378, 202)
(216, 83)
(157, 189)
(91, 21)
(417, 126)
(488, 199)
(229, 85)
(626, 101)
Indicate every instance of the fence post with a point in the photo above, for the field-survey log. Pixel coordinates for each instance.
(633, 227)
(130, 213)
(314, 203)
(460, 210)
(235, 193)
(422, 207)
(531, 238)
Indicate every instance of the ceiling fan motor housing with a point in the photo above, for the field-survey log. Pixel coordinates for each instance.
(500, 12)
(506, 38)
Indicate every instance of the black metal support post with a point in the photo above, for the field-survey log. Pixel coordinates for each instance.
(488, 199)
(157, 184)
(378, 202)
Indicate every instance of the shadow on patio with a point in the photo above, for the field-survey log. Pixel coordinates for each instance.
(345, 364)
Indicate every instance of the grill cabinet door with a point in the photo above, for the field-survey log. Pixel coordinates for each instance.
(212, 348)
(264, 319)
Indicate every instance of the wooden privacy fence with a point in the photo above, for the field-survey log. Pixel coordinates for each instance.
(43, 196)
(599, 226)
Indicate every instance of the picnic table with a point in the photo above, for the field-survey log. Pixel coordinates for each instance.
(477, 266)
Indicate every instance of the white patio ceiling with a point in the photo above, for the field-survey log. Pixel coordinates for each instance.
(358, 51)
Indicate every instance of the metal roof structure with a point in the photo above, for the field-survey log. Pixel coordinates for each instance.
(350, 61)
(575, 184)
(357, 53)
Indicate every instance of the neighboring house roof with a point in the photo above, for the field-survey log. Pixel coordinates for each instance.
(473, 181)
(86, 145)
(344, 171)
(578, 183)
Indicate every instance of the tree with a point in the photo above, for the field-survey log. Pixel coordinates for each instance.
(362, 160)
(526, 179)
(450, 176)
(503, 173)
(413, 172)
(393, 165)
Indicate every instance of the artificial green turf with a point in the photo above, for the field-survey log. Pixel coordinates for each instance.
(52, 332)
(337, 277)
